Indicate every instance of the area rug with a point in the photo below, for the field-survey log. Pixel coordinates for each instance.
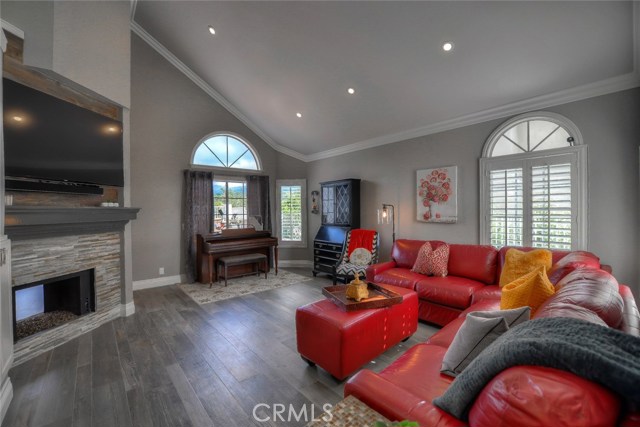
(201, 293)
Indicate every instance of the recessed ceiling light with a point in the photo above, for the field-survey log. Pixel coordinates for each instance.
(299, 115)
(351, 91)
(112, 129)
(212, 30)
(17, 118)
(447, 46)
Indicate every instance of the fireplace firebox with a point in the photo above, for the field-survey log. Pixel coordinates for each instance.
(51, 302)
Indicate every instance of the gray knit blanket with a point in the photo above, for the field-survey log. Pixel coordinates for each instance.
(600, 354)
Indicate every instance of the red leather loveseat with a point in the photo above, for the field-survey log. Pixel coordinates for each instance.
(519, 396)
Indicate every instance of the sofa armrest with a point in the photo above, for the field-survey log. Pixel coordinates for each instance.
(374, 269)
(395, 403)
(630, 313)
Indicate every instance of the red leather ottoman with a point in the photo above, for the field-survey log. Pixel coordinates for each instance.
(341, 342)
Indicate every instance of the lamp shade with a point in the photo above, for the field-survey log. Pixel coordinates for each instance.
(385, 215)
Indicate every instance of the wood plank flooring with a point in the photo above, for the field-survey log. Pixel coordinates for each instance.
(176, 363)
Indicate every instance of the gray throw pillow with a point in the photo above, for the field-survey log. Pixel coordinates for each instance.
(478, 331)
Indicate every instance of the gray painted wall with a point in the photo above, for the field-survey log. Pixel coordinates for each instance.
(83, 42)
(169, 115)
(610, 127)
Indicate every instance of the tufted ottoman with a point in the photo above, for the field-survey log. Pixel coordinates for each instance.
(341, 342)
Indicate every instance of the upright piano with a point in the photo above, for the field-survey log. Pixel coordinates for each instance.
(241, 241)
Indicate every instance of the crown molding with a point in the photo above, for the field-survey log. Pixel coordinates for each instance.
(7, 26)
(602, 87)
(188, 72)
(134, 4)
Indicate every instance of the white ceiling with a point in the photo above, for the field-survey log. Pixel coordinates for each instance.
(270, 60)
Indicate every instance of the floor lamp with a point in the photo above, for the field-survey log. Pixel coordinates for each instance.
(386, 215)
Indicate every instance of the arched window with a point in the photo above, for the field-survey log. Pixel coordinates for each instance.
(224, 150)
(533, 184)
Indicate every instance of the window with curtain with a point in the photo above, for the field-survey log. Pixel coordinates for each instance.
(229, 203)
(238, 201)
(291, 205)
(533, 184)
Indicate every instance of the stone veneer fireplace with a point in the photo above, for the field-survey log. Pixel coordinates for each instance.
(50, 242)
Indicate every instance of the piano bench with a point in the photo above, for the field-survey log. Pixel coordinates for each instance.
(230, 261)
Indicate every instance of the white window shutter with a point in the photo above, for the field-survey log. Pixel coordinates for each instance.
(506, 207)
(551, 206)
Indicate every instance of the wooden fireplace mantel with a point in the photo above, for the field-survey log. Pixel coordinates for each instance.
(30, 222)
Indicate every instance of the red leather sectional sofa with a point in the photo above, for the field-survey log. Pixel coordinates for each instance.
(519, 396)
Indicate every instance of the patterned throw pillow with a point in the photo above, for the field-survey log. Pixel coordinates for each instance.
(421, 265)
(360, 256)
(518, 263)
(532, 290)
(439, 260)
(432, 261)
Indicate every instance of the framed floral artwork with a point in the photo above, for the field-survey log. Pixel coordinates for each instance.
(437, 194)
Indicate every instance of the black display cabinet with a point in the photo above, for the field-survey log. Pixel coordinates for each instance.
(340, 213)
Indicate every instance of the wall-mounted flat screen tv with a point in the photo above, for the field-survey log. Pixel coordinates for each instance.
(47, 138)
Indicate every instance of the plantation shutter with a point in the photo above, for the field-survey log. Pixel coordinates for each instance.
(291, 212)
(551, 218)
(506, 210)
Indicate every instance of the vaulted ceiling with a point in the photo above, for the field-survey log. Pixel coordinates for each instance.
(271, 60)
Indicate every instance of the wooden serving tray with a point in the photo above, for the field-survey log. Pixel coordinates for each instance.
(378, 297)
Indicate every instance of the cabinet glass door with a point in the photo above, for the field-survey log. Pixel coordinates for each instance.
(343, 204)
(328, 204)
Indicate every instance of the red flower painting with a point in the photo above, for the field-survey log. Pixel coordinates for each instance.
(436, 201)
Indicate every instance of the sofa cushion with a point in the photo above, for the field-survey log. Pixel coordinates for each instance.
(556, 255)
(592, 289)
(532, 290)
(572, 261)
(519, 263)
(491, 292)
(418, 371)
(399, 277)
(405, 251)
(474, 262)
(451, 291)
(437, 314)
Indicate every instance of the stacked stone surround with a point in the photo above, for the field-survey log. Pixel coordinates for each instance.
(38, 259)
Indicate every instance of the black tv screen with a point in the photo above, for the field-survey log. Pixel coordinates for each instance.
(47, 138)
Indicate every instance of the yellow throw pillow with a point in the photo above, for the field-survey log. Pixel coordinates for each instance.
(529, 290)
(518, 263)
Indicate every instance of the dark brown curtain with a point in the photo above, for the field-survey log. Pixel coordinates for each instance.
(198, 199)
(258, 199)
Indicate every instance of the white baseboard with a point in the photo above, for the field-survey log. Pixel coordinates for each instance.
(302, 263)
(127, 309)
(6, 394)
(157, 282)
